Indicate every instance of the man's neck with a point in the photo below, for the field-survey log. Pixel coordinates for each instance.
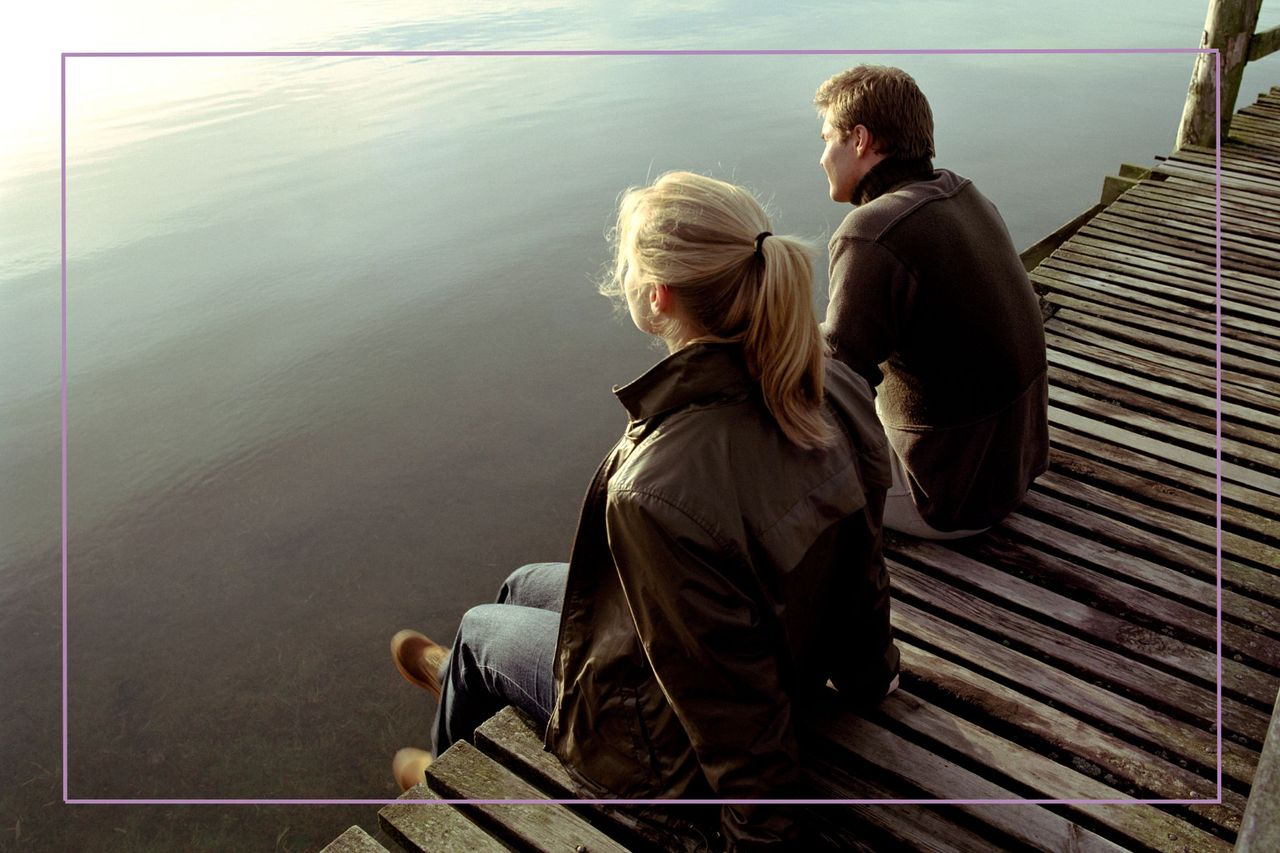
(888, 174)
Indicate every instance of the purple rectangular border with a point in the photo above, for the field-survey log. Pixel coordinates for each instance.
(1217, 86)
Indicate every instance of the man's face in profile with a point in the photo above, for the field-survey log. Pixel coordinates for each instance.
(842, 161)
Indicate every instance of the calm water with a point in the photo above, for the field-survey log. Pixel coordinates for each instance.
(336, 363)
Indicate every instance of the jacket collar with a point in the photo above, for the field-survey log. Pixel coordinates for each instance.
(690, 374)
(888, 175)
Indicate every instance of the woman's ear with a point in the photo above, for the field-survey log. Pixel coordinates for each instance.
(661, 299)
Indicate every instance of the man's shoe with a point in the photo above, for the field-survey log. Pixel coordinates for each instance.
(419, 659)
(409, 767)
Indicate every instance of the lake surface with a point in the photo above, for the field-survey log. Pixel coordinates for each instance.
(336, 363)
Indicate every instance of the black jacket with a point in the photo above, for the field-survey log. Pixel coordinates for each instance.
(720, 573)
(928, 292)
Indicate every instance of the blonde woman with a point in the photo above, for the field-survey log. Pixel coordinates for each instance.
(727, 561)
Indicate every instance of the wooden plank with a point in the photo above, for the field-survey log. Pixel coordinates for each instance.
(1156, 199)
(1182, 291)
(1206, 175)
(1073, 653)
(1248, 579)
(463, 772)
(1142, 824)
(1143, 254)
(1084, 313)
(1195, 533)
(1124, 600)
(1143, 724)
(1202, 440)
(428, 827)
(1143, 444)
(1042, 248)
(1085, 471)
(1201, 251)
(1195, 230)
(1233, 364)
(901, 828)
(1137, 641)
(1064, 733)
(1202, 327)
(1156, 403)
(1242, 204)
(510, 738)
(1083, 287)
(1197, 276)
(1195, 270)
(354, 840)
(1265, 175)
(937, 777)
(1241, 402)
(1260, 828)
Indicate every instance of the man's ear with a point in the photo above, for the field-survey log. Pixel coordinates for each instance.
(863, 141)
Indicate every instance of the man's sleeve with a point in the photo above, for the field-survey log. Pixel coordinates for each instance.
(714, 656)
(871, 291)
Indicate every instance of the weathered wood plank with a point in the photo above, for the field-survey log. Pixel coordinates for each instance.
(1073, 653)
(1138, 721)
(509, 737)
(1242, 404)
(1124, 599)
(1236, 607)
(1184, 291)
(429, 827)
(1197, 328)
(1053, 281)
(354, 840)
(1129, 539)
(1193, 532)
(1143, 824)
(1062, 732)
(937, 777)
(903, 828)
(1136, 641)
(1202, 440)
(464, 772)
(1197, 461)
(1158, 403)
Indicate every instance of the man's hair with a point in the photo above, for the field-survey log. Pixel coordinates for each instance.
(884, 100)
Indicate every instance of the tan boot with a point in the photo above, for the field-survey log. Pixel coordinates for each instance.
(419, 659)
(409, 767)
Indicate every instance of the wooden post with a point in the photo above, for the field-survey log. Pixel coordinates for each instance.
(1260, 826)
(1228, 27)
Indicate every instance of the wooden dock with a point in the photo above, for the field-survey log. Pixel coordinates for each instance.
(1070, 652)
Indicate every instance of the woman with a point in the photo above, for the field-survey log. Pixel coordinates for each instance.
(727, 561)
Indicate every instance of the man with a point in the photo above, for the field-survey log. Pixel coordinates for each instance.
(930, 302)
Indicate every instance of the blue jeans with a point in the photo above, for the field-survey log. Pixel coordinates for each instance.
(503, 655)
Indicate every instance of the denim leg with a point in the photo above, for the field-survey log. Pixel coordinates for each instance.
(503, 655)
(538, 585)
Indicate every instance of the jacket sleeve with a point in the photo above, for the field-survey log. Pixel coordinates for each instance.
(714, 657)
(871, 292)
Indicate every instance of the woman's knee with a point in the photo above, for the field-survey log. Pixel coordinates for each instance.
(535, 585)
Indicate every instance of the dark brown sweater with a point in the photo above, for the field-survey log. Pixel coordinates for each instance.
(929, 295)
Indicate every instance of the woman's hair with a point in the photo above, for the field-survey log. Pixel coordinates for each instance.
(698, 236)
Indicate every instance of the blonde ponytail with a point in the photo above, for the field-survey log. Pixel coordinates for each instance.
(783, 345)
(697, 235)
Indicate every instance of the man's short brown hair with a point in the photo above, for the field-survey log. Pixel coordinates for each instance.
(884, 100)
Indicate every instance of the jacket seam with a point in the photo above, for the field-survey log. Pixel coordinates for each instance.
(703, 524)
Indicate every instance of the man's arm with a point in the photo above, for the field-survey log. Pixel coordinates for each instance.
(714, 656)
(871, 293)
